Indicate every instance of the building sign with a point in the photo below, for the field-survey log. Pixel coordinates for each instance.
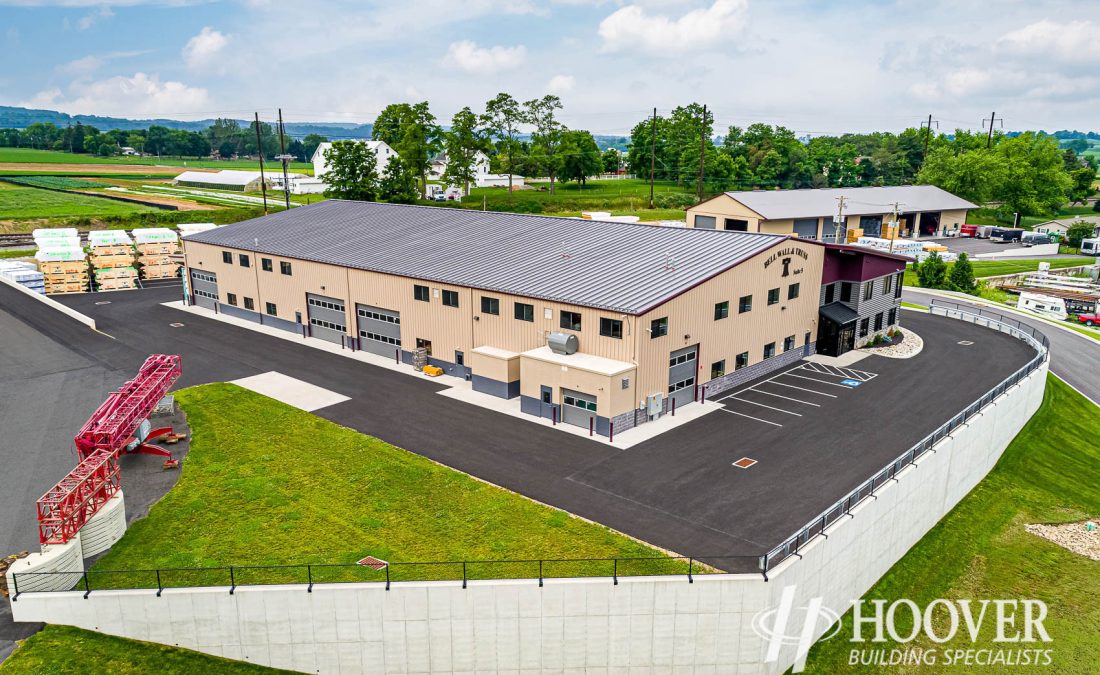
(785, 256)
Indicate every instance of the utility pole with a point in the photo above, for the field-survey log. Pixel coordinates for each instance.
(260, 149)
(284, 157)
(838, 220)
(652, 155)
(991, 120)
(895, 226)
(702, 150)
(928, 135)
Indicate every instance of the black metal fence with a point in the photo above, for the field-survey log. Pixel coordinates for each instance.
(543, 569)
(843, 506)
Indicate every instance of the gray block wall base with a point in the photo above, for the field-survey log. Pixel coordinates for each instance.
(749, 373)
(493, 387)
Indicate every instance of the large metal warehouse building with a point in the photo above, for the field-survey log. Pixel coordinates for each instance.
(589, 322)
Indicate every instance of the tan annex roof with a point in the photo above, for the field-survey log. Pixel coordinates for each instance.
(815, 203)
(619, 267)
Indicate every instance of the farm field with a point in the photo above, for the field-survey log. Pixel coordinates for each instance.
(337, 496)
(619, 197)
(68, 159)
(28, 202)
(981, 549)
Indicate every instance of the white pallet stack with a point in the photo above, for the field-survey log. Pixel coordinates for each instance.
(156, 246)
(62, 260)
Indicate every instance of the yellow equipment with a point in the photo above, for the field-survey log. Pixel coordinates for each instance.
(433, 371)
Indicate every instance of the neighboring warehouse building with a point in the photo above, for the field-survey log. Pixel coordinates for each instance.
(587, 321)
(242, 181)
(924, 211)
(382, 155)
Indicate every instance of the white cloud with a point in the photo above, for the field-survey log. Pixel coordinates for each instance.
(466, 55)
(201, 50)
(560, 84)
(136, 96)
(1073, 42)
(633, 27)
(88, 20)
(81, 66)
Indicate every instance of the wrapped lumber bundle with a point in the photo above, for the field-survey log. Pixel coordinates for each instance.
(155, 246)
(23, 273)
(112, 250)
(62, 260)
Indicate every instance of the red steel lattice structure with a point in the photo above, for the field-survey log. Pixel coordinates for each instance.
(67, 506)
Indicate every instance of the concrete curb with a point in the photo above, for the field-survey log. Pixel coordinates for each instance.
(53, 304)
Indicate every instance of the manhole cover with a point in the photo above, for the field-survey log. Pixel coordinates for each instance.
(176, 325)
(372, 562)
(966, 343)
(744, 463)
(103, 302)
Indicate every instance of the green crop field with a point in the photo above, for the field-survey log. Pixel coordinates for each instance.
(981, 550)
(55, 182)
(27, 202)
(268, 484)
(619, 197)
(29, 156)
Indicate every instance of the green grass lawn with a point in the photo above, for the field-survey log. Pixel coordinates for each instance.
(8, 253)
(980, 550)
(990, 216)
(64, 650)
(993, 268)
(28, 202)
(268, 484)
(27, 155)
(619, 197)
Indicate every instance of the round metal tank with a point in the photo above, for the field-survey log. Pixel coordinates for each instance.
(563, 343)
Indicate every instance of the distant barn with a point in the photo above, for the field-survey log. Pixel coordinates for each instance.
(241, 181)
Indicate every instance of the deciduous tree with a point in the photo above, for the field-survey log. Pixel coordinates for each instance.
(353, 171)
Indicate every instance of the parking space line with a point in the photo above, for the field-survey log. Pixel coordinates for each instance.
(766, 406)
(717, 400)
(734, 412)
(827, 371)
(761, 391)
(819, 393)
(831, 384)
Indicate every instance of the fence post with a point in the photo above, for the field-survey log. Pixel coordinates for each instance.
(615, 570)
(674, 407)
(388, 577)
(554, 416)
(232, 581)
(87, 589)
(309, 576)
(611, 434)
(690, 562)
(397, 355)
(464, 574)
(540, 573)
(160, 587)
(591, 425)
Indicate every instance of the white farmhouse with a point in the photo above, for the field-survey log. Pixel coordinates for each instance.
(382, 151)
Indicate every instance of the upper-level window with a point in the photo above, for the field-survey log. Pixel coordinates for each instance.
(570, 320)
(611, 328)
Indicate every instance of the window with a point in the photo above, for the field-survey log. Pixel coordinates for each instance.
(331, 325)
(705, 222)
(490, 305)
(227, 257)
(231, 298)
(682, 358)
(893, 317)
(327, 304)
(741, 361)
(792, 291)
(868, 290)
(265, 264)
(421, 293)
(570, 320)
(898, 284)
(658, 327)
(744, 304)
(271, 309)
(612, 328)
(426, 345)
(682, 384)
(284, 267)
(863, 326)
(450, 298)
(248, 304)
(244, 260)
(846, 291)
(830, 293)
(773, 296)
(788, 343)
(579, 403)
(380, 338)
(524, 312)
(887, 285)
(717, 369)
(203, 276)
(378, 316)
(721, 310)
(878, 321)
(769, 350)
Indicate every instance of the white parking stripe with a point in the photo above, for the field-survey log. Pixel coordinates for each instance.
(755, 385)
(814, 379)
(819, 393)
(761, 391)
(734, 412)
(766, 406)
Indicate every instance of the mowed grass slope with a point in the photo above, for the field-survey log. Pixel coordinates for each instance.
(28, 202)
(992, 268)
(268, 484)
(64, 650)
(980, 550)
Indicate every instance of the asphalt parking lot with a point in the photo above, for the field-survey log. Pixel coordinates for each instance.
(678, 491)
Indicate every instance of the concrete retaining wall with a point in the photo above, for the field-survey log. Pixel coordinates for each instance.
(52, 304)
(53, 558)
(105, 528)
(655, 623)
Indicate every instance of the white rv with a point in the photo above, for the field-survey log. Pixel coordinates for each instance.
(1044, 305)
(1090, 247)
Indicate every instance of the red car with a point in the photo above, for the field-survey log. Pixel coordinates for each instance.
(1089, 319)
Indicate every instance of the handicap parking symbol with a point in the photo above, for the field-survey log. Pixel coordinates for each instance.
(851, 383)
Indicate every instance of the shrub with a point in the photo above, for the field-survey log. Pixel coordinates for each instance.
(673, 200)
(962, 276)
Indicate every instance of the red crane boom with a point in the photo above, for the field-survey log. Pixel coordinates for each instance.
(67, 506)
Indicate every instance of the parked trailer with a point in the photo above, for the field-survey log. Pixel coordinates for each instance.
(968, 231)
(1043, 305)
(1005, 235)
(1090, 247)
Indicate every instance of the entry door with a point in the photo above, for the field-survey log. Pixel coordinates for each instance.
(847, 339)
(682, 366)
(577, 408)
(546, 401)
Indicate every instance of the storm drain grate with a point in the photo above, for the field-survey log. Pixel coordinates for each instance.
(372, 562)
(744, 462)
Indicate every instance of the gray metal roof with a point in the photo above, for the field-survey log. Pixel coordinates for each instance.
(621, 267)
(781, 204)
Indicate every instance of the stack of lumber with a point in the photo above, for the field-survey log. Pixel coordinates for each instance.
(62, 260)
(191, 228)
(23, 273)
(112, 258)
(158, 250)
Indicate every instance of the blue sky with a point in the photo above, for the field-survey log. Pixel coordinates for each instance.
(814, 66)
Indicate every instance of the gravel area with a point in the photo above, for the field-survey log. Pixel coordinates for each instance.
(910, 345)
(1073, 536)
